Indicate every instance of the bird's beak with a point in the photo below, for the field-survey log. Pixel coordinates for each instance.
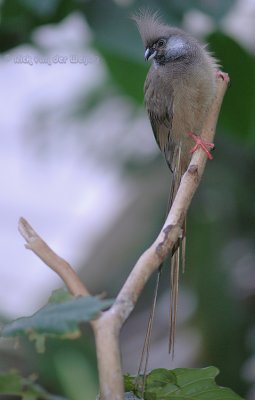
(149, 53)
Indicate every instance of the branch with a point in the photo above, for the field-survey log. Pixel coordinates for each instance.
(50, 258)
(108, 324)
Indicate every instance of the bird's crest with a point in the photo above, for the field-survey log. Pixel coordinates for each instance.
(150, 26)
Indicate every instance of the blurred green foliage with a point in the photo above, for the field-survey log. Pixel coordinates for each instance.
(237, 117)
(60, 318)
(180, 383)
(13, 384)
(222, 218)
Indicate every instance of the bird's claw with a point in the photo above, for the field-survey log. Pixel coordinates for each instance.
(223, 75)
(200, 143)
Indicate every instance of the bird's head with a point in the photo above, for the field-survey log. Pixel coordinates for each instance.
(167, 49)
(163, 43)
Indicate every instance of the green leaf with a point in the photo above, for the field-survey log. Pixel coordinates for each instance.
(12, 383)
(42, 8)
(128, 74)
(216, 10)
(60, 296)
(129, 382)
(119, 34)
(182, 384)
(113, 27)
(237, 115)
(20, 17)
(59, 319)
(75, 374)
(121, 47)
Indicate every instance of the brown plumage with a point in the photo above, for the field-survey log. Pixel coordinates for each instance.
(178, 91)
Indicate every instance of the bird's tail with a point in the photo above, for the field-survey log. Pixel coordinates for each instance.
(177, 259)
(143, 366)
(178, 252)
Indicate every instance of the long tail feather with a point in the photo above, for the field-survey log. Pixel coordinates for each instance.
(175, 264)
(178, 257)
(142, 370)
(183, 244)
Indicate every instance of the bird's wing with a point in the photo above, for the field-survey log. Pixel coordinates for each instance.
(160, 110)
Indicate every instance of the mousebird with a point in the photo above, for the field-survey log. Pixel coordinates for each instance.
(178, 91)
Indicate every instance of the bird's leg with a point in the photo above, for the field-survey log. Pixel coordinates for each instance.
(201, 143)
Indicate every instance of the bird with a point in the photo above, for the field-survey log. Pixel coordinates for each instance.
(178, 91)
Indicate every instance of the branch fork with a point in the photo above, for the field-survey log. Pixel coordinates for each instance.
(109, 323)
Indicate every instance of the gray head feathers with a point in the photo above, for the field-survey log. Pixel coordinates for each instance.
(150, 26)
(166, 44)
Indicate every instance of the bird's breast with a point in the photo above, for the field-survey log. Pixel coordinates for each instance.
(177, 103)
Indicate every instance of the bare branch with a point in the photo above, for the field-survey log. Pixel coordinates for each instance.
(50, 258)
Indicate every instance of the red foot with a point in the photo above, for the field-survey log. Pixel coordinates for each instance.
(201, 143)
(223, 75)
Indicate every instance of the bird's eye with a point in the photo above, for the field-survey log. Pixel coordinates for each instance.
(161, 43)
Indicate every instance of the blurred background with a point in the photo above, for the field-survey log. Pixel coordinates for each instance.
(79, 161)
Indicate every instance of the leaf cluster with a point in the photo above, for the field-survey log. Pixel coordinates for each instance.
(180, 384)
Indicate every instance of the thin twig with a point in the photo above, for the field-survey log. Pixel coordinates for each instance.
(50, 258)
